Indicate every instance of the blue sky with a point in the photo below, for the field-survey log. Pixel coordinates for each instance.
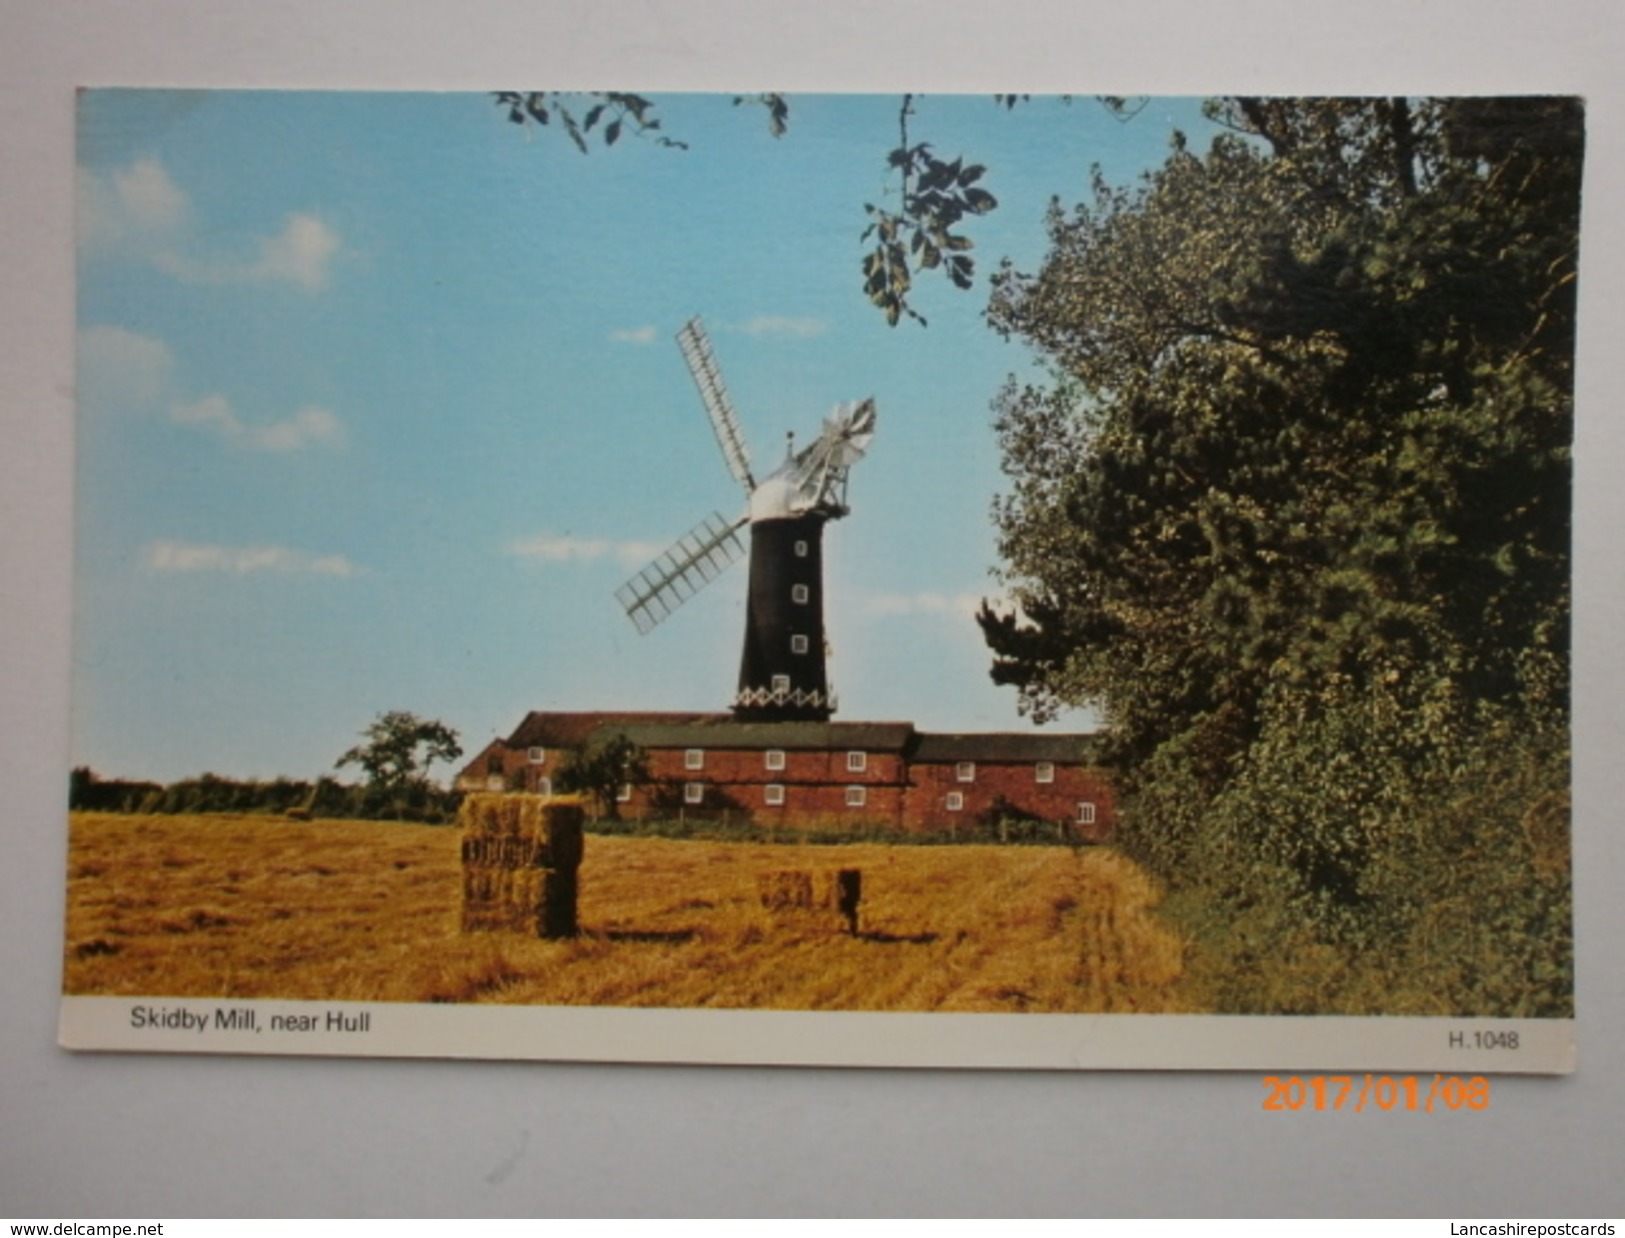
(380, 402)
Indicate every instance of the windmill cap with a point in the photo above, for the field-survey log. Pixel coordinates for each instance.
(777, 498)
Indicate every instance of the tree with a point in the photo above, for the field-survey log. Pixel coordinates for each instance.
(399, 749)
(1315, 419)
(602, 769)
(1295, 511)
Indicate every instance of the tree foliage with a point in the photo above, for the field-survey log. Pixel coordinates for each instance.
(933, 197)
(916, 229)
(399, 749)
(611, 113)
(1295, 511)
(602, 769)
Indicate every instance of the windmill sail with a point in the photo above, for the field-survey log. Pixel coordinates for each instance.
(687, 566)
(702, 364)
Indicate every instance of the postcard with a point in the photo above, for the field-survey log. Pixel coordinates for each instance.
(876, 580)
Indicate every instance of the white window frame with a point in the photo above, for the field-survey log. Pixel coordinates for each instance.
(693, 793)
(800, 594)
(956, 801)
(857, 797)
(1044, 771)
(773, 758)
(781, 683)
(965, 771)
(694, 758)
(773, 794)
(623, 793)
(801, 549)
(857, 762)
(798, 643)
(1086, 812)
(536, 756)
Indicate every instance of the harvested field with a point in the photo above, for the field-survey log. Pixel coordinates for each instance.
(246, 906)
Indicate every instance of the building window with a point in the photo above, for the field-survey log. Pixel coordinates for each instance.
(537, 755)
(965, 771)
(693, 793)
(775, 758)
(623, 793)
(1086, 813)
(493, 764)
(856, 797)
(798, 644)
(781, 683)
(857, 762)
(1045, 772)
(956, 801)
(801, 550)
(694, 758)
(544, 785)
(773, 794)
(798, 593)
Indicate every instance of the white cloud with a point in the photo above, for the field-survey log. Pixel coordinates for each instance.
(138, 208)
(307, 427)
(168, 556)
(790, 328)
(890, 604)
(300, 255)
(214, 411)
(139, 212)
(124, 371)
(118, 368)
(552, 548)
(633, 335)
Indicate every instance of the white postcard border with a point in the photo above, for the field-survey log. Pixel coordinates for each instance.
(1447, 1046)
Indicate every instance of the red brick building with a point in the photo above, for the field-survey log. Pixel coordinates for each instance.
(803, 775)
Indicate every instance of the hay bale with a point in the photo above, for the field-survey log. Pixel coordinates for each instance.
(845, 893)
(520, 854)
(785, 891)
(799, 892)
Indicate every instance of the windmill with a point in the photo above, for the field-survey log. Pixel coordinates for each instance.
(781, 671)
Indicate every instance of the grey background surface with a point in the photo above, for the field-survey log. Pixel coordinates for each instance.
(150, 1137)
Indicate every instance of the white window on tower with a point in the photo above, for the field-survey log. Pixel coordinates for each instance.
(798, 644)
(693, 793)
(694, 758)
(965, 771)
(773, 794)
(857, 762)
(856, 797)
(956, 801)
(799, 593)
(801, 550)
(1045, 771)
(775, 758)
(1086, 813)
(781, 683)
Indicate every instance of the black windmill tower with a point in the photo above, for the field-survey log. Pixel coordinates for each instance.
(782, 676)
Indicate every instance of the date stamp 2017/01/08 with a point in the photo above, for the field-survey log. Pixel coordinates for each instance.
(1357, 1093)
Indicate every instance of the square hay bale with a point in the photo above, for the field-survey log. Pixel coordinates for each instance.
(798, 892)
(520, 856)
